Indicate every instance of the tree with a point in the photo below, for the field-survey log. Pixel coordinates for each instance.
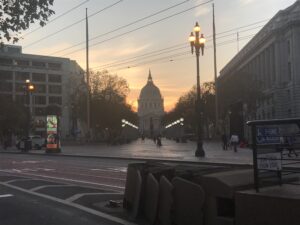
(13, 117)
(108, 103)
(17, 15)
(185, 107)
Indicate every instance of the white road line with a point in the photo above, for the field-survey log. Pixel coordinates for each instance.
(6, 196)
(83, 208)
(77, 196)
(51, 185)
(67, 179)
(14, 180)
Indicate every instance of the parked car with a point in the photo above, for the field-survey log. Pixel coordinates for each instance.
(37, 142)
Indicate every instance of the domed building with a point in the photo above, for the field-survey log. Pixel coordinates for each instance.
(150, 109)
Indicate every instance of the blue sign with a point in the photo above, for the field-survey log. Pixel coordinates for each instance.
(267, 135)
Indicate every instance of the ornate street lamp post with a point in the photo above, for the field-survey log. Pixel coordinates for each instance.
(30, 88)
(197, 42)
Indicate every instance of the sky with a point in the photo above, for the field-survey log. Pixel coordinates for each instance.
(158, 41)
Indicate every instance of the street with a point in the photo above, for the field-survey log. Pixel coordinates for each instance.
(60, 185)
(46, 190)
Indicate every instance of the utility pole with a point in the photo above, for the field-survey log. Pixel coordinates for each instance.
(215, 71)
(238, 41)
(87, 74)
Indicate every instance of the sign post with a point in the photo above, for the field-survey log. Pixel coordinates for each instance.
(53, 140)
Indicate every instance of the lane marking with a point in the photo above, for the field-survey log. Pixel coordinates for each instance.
(77, 196)
(51, 185)
(88, 175)
(67, 179)
(6, 196)
(71, 204)
(14, 180)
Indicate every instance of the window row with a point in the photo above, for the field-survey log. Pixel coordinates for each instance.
(150, 105)
(39, 88)
(39, 100)
(24, 62)
(23, 76)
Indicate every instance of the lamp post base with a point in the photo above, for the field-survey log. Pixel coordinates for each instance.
(199, 151)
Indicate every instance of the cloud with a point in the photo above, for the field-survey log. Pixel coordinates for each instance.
(246, 2)
(200, 11)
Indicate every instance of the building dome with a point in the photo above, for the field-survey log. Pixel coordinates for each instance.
(150, 90)
(150, 109)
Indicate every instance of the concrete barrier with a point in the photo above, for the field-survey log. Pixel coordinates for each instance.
(220, 189)
(151, 199)
(165, 201)
(188, 202)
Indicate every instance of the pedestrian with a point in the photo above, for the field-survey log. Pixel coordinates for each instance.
(224, 141)
(234, 140)
(290, 147)
(158, 142)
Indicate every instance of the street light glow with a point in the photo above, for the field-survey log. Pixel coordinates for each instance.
(197, 27)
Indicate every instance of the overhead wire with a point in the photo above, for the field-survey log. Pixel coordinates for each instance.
(180, 54)
(124, 26)
(141, 27)
(56, 18)
(163, 51)
(71, 25)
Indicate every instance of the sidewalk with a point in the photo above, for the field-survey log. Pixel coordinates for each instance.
(170, 150)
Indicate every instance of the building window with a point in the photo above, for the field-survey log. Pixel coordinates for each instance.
(6, 61)
(39, 111)
(38, 64)
(22, 76)
(288, 94)
(40, 88)
(40, 100)
(5, 86)
(289, 71)
(54, 66)
(289, 112)
(55, 100)
(54, 89)
(289, 47)
(22, 99)
(20, 87)
(54, 78)
(5, 75)
(22, 63)
(273, 112)
(39, 77)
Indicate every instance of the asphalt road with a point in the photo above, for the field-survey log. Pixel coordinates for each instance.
(45, 189)
(60, 190)
(19, 208)
(101, 173)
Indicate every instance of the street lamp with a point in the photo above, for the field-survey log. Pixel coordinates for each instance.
(197, 42)
(30, 88)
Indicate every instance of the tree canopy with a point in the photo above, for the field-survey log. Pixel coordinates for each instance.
(185, 107)
(108, 94)
(17, 15)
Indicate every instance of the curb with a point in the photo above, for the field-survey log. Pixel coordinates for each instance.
(133, 159)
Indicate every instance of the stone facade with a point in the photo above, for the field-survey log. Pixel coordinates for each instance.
(150, 109)
(271, 61)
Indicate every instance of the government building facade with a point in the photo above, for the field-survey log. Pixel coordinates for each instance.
(150, 109)
(263, 80)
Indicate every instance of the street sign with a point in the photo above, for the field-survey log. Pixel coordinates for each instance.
(267, 135)
(269, 161)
